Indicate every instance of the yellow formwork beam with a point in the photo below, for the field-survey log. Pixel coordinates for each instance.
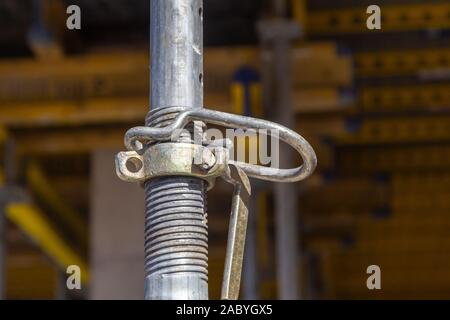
(86, 139)
(74, 113)
(336, 71)
(109, 87)
(410, 97)
(78, 140)
(402, 62)
(42, 188)
(321, 99)
(103, 75)
(371, 160)
(33, 222)
(73, 79)
(393, 130)
(133, 109)
(400, 17)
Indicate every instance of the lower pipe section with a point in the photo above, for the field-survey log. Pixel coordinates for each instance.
(176, 239)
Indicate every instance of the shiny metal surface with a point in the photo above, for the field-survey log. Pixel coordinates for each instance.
(176, 232)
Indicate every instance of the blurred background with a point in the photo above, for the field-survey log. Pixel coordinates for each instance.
(373, 103)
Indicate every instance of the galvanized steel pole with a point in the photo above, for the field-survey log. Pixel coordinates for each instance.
(176, 232)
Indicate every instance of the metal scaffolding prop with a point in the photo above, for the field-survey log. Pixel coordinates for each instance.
(173, 159)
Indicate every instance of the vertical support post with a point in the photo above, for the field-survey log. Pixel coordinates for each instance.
(277, 36)
(176, 232)
(286, 196)
(287, 241)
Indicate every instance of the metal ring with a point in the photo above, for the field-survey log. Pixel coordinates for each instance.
(296, 141)
(173, 159)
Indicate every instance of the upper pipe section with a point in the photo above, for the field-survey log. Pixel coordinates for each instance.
(176, 42)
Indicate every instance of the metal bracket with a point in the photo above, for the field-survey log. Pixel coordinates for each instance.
(209, 163)
(173, 159)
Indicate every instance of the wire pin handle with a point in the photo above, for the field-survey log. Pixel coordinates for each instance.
(145, 135)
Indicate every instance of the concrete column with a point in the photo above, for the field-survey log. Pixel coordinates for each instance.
(117, 233)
